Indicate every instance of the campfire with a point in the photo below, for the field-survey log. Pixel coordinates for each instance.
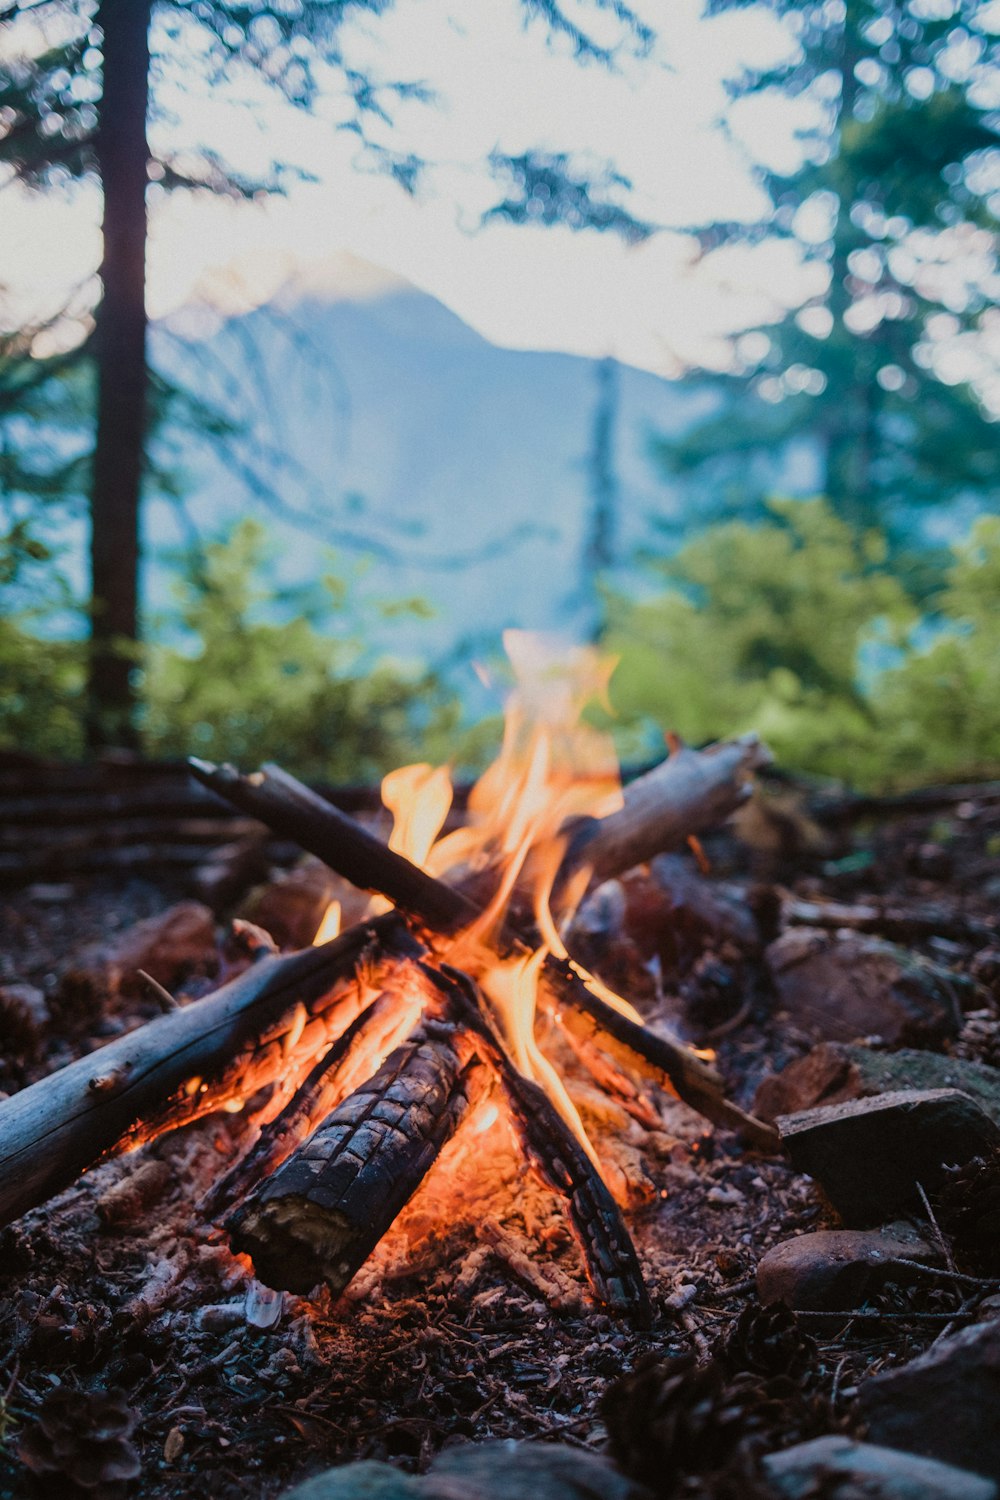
(450, 1014)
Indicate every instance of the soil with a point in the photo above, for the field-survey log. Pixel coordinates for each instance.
(472, 1320)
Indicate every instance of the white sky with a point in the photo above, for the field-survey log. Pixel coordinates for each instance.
(499, 84)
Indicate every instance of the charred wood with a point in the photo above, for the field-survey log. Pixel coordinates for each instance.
(185, 1064)
(322, 1213)
(353, 1057)
(560, 1160)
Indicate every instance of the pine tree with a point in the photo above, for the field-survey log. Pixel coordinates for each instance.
(894, 210)
(77, 94)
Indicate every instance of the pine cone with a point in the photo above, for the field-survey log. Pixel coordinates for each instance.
(969, 1213)
(673, 1418)
(84, 1438)
(767, 1341)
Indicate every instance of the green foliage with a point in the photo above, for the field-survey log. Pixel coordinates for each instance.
(941, 707)
(798, 629)
(894, 212)
(252, 686)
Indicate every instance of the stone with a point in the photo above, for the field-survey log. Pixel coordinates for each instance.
(509, 1469)
(838, 1468)
(517, 1470)
(24, 1016)
(836, 1269)
(868, 1155)
(945, 1404)
(364, 1481)
(838, 986)
(834, 1072)
(171, 947)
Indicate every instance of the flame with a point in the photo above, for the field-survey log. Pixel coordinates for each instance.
(552, 767)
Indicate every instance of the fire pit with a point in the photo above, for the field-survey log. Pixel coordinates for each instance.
(439, 1015)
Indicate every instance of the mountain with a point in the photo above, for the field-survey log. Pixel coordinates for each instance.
(377, 422)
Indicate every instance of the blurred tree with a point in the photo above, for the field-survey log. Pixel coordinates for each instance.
(885, 368)
(78, 90)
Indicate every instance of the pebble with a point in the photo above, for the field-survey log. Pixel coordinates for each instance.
(869, 1155)
(836, 1269)
(840, 1469)
(960, 1376)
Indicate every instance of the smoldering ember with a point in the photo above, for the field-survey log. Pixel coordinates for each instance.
(549, 1139)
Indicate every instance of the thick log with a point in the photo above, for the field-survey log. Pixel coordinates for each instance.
(185, 1064)
(352, 1059)
(688, 792)
(560, 1160)
(337, 839)
(321, 1214)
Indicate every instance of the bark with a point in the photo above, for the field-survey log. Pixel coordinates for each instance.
(354, 1057)
(120, 347)
(185, 1064)
(688, 792)
(321, 1214)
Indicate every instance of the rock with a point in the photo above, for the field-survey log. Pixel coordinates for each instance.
(170, 948)
(838, 1268)
(364, 1481)
(526, 1471)
(481, 1471)
(840, 1469)
(292, 907)
(838, 986)
(834, 1072)
(24, 1016)
(944, 1403)
(869, 1154)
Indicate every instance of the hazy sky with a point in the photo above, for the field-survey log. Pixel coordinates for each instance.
(499, 84)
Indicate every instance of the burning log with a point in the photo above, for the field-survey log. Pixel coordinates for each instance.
(332, 835)
(560, 1160)
(350, 1061)
(206, 1056)
(321, 1214)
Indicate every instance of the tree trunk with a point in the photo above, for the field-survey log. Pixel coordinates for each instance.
(120, 346)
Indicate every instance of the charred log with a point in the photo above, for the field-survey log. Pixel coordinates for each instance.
(321, 1214)
(352, 1058)
(185, 1064)
(560, 1160)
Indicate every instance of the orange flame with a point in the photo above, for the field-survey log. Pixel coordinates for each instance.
(552, 767)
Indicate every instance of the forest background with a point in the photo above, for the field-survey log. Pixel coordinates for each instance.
(855, 625)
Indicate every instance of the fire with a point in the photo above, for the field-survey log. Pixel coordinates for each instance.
(553, 767)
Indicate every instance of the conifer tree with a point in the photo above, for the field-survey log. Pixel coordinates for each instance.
(894, 208)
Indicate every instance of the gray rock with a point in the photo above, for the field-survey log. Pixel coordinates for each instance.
(842, 985)
(814, 1468)
(526, 1471)
(834, 1072)
(869, 1154)
(945, 1404)
(365, 1481)
(839, 1268)
(482, 1471)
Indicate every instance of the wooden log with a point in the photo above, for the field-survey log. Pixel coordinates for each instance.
(688, 792)
(183, 1065)
(321, 1214)
(561, 1161)
(296, 812)
(337, 839)
(356, 1054)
